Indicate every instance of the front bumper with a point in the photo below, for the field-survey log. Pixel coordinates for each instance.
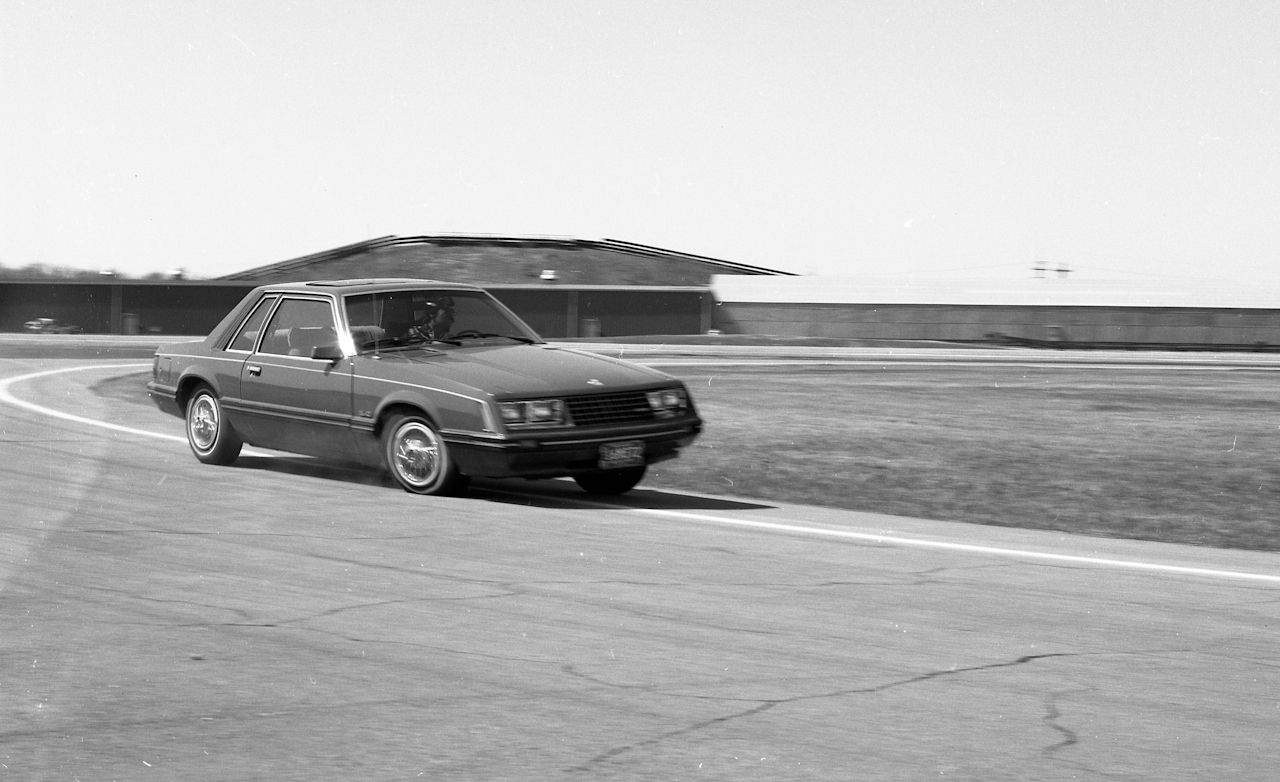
(539, 456)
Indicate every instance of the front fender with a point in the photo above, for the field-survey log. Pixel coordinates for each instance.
(451, 413)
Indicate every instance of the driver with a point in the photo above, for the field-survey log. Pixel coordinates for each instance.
(435, 319)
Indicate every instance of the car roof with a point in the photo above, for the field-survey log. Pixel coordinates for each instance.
(369, 285)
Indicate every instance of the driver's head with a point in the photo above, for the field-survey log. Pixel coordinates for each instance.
(440, 312)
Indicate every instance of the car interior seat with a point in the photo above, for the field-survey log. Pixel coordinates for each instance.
(304, 339)
(366, 335)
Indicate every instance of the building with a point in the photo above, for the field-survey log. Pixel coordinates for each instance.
(498, 260)
(1035, 311)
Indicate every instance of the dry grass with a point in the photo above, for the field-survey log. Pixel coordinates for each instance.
(1157, 454)
(1150, 454)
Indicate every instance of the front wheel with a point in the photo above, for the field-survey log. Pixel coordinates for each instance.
(418, 458)
(210, 436)
(610, 481)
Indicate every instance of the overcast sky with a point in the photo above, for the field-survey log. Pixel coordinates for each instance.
(841, 137)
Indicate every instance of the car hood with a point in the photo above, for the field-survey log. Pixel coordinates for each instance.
(520, 370)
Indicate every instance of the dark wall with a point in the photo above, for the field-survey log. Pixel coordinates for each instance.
(546, 310)
(194, 308)
(83, 304)
(609, 312)
(556, 312)
(623, 313)
(969, 323)
(171, 309)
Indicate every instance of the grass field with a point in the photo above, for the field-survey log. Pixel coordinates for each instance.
(1187, 457)
(1157, 454)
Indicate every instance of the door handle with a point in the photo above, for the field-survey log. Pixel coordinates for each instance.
(255, 371)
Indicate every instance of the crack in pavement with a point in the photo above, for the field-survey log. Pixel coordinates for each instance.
(1052, 718)
(766, 704)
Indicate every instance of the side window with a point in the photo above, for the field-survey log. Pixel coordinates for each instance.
(299, 326)
(248, 334)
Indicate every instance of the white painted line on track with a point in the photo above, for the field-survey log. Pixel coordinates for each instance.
(7, 397)
(915, 363)
(894, 540)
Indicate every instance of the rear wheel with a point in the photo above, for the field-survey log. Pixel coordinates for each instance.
(210, 436)
(418, 458)
(610, 481)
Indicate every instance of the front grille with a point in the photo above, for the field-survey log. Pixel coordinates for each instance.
(622, 407)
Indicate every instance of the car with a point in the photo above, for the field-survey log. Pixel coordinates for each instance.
(50, 326)
(434, 382)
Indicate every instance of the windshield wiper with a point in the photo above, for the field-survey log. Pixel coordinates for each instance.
(490, 335)
(387, 344)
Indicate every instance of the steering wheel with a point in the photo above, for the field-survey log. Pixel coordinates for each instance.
(416, 330)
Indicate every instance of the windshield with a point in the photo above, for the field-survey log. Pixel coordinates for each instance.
(431, 317)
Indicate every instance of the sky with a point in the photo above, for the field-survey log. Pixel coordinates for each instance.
(854, 137)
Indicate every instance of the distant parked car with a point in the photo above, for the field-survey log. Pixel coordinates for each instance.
(51, 326)
(436, 382)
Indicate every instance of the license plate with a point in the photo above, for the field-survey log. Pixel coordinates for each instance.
(627, 454)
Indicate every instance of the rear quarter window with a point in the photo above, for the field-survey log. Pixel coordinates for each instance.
(247, 336)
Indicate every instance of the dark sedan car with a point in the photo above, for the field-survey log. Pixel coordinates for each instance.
(435, 381)
(50, 326)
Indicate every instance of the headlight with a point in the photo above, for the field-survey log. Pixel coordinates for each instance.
(533, 412)
(668, 402)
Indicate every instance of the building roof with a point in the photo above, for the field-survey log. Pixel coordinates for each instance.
(308, 265)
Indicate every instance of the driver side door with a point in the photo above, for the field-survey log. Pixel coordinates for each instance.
(292, 400)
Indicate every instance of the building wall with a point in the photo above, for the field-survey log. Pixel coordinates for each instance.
(959, 322)
(609, 312)
(194, 308)
(79, 303)
(1059, 309)
(114, 307)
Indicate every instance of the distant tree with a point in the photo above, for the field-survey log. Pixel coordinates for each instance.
(45, 271)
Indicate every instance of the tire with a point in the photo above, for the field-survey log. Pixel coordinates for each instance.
(610, 481)
(418, 458)
(209, 434)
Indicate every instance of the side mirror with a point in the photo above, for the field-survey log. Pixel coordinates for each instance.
(331, 353)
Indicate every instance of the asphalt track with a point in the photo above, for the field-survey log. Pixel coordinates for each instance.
(288, 619)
